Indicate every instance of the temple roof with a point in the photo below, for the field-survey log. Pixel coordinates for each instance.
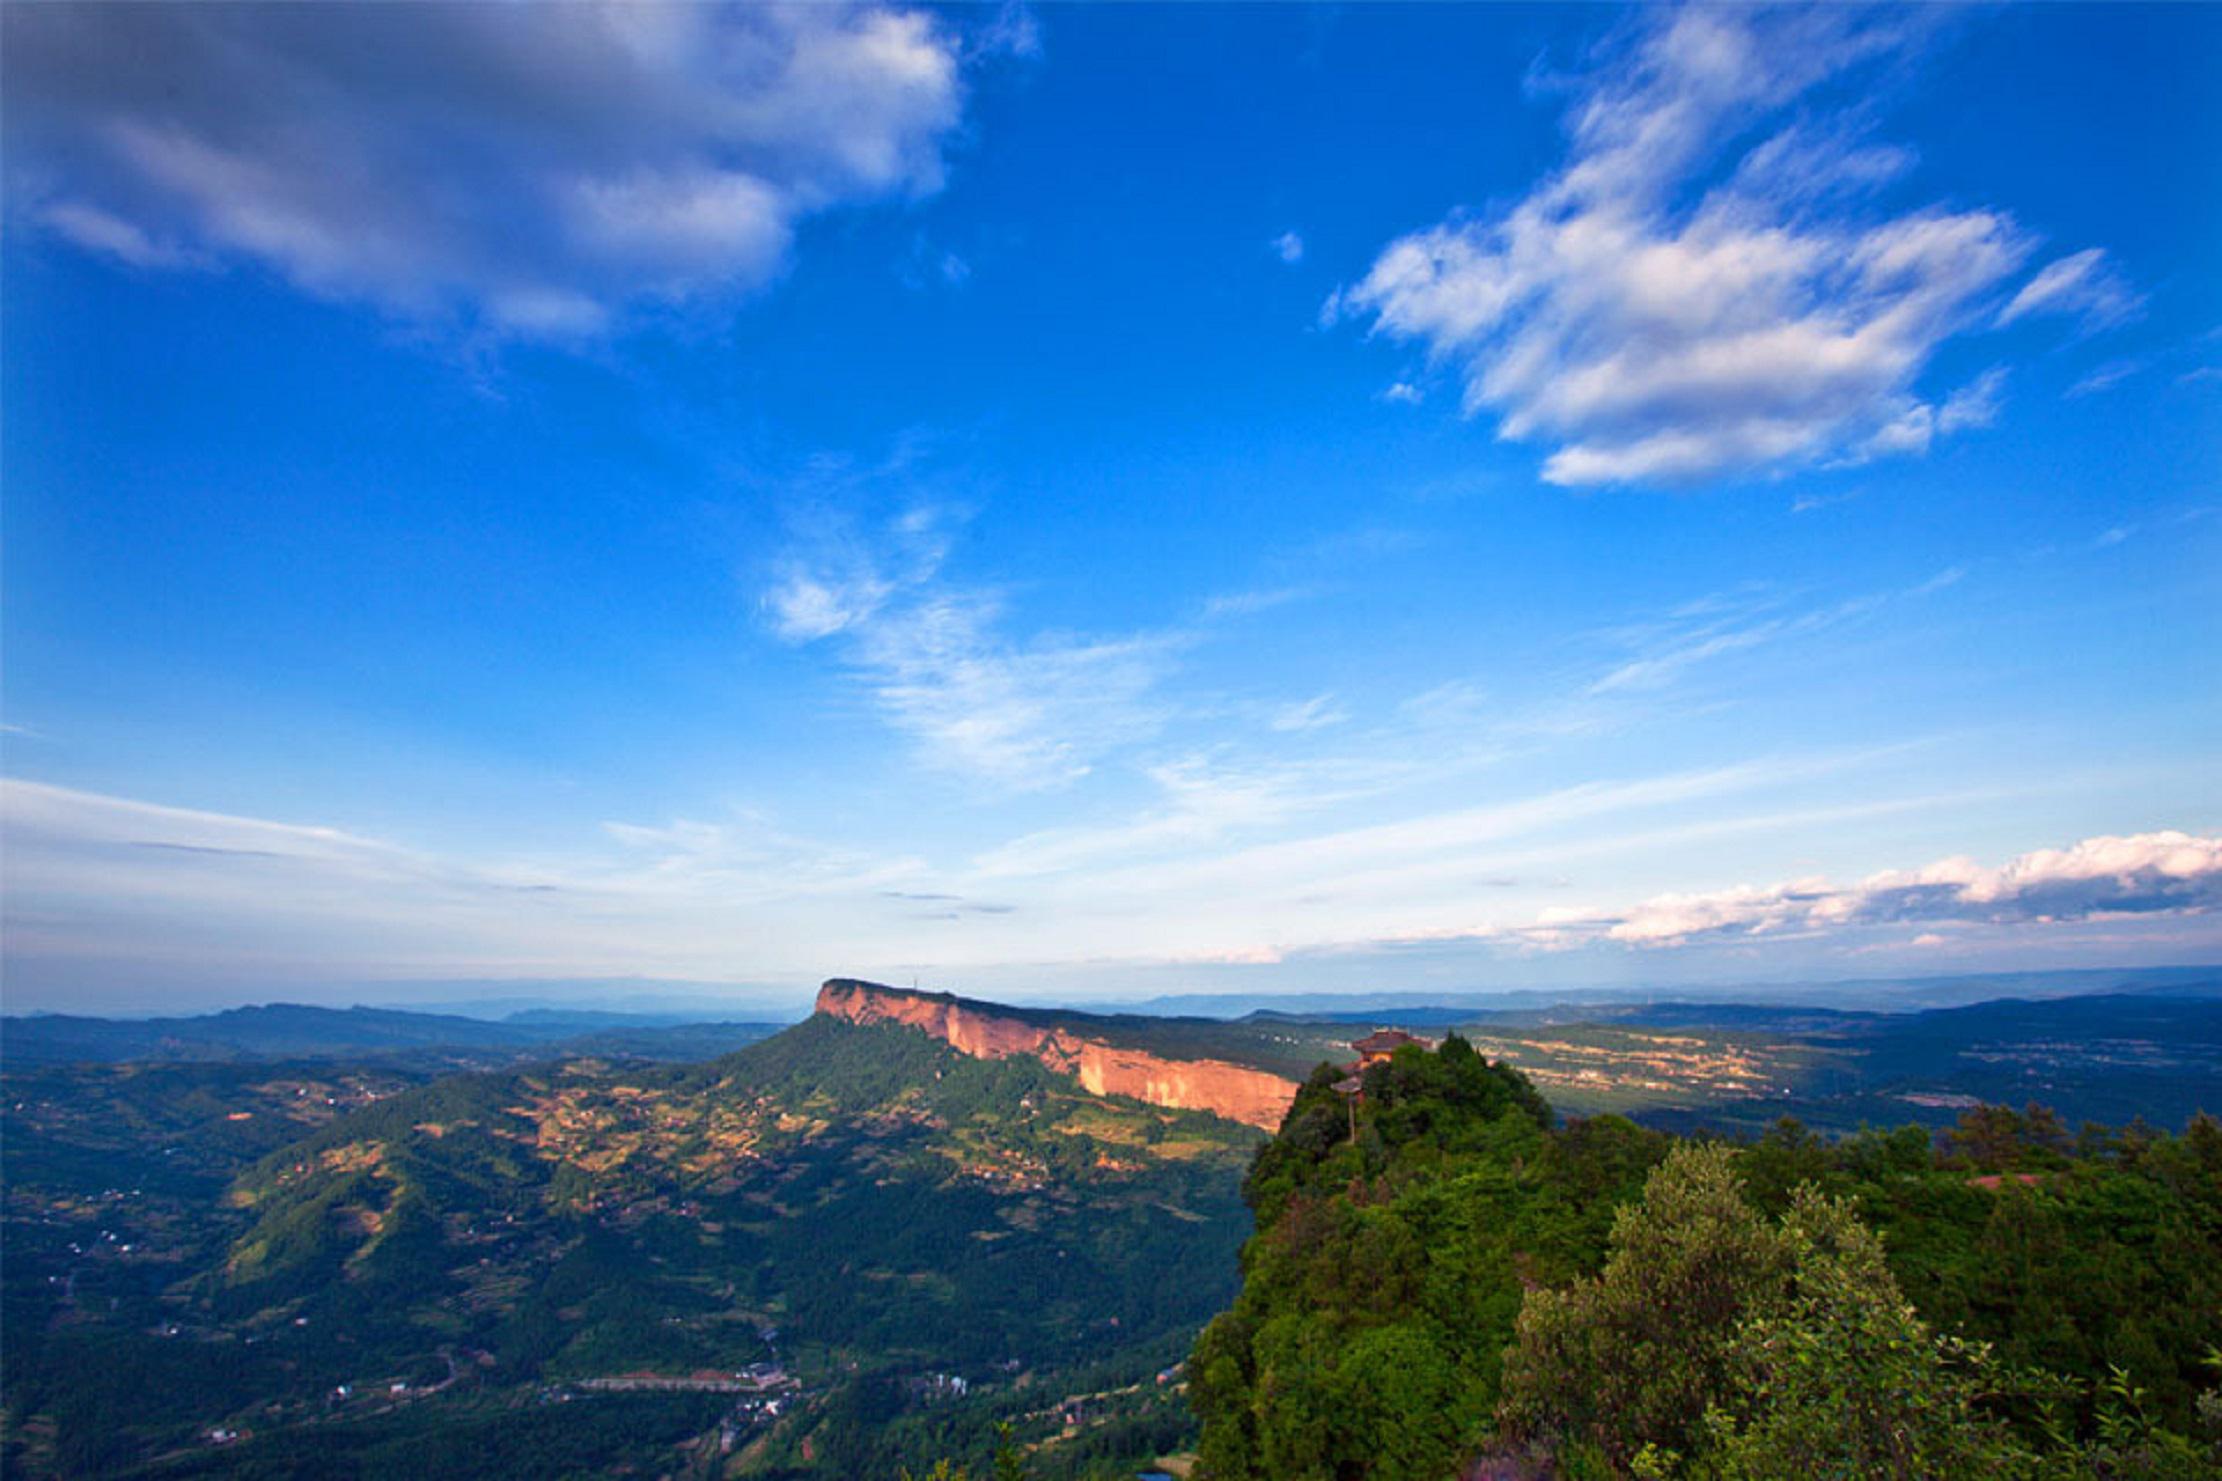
(1384, 1041)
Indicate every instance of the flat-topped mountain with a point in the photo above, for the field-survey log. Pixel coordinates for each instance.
(1101, 1053)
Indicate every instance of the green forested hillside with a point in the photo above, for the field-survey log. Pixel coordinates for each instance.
(920, 1242)
(1442, 1281)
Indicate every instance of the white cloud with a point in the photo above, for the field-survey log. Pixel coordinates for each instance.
(2084, 284)
(1666, 648)
(1403, 393)
(2105, 378)
(1916, 425)
(1974, 404)
(1023, 713)
(173, 892)
(532, 170)
(1013, 32)
(1197, 803)
(120, 890)
(1246, 603)
(1651, 331)
(1289, 247)
(2143, 874)
(807, 604)
(1316, 713)
(100, 231)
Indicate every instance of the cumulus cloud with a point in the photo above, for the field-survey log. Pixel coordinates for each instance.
(530, 170)
(1662, 310)
(2098, 878)
(2085, 285)
(1289, 247)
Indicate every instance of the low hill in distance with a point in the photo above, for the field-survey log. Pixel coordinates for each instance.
(298, 1031)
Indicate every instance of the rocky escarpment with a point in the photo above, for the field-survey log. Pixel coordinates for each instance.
(980, 1030)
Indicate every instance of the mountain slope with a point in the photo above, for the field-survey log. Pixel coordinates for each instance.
(859, 1204)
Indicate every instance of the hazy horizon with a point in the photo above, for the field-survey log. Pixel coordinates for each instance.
(696, 1002)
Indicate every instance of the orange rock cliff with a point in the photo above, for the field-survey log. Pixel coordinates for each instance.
(977, 1029)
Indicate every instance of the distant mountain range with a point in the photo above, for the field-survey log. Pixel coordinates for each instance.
(1880, 994)
(2104, 1045)
(293, 1030)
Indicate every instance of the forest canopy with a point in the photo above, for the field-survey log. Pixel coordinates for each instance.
(1441, 1277)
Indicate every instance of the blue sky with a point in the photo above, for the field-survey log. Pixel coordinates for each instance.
(1095, 502)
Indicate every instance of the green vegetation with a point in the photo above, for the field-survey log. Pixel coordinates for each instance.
(935, 1244)
(1440, 1277)
(1382, 1285)
(351, 1268)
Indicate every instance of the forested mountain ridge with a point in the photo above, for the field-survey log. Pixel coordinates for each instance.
(1442, 1283)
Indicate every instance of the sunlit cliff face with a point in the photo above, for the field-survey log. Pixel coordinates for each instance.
(1250, 1096)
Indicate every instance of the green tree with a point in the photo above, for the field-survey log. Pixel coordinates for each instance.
(1637, 1356)
(1835, 1376)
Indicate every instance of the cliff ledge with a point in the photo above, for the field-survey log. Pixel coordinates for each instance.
(1240, 1094)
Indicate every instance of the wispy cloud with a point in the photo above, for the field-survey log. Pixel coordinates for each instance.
(109, 235)
(942, 662)
(2105, 378)
(1316, 713)
(1918, 425)
(1198, 802)
(209, 896)
(1289, 247)
(560, 166)
(2085, 285)
(1696, 633)
(97, 877)
(1780, 318)
(1245, 603)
